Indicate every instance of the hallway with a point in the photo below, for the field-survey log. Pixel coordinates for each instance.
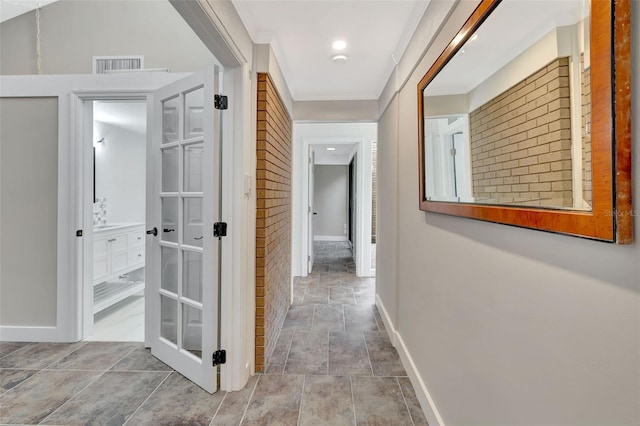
(333, 364)
(334, 355)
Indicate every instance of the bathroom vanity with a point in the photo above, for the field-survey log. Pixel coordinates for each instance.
(118, 255)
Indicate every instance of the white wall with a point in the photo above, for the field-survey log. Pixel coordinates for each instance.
(505, 325)
(446, 105)
(387, 197)
(331, 202)
(28, 211)
(337, 111)
(121, 172)
(74, 31)
(551, 46)
(266, 62)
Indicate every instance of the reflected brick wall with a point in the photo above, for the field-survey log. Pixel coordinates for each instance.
(521, 142)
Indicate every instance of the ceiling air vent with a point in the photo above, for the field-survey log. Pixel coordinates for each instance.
(106, 64)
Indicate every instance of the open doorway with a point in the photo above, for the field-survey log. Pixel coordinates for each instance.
(182, 176)
(117, 279)
(334, 143)
(331, 202)
(332, 195)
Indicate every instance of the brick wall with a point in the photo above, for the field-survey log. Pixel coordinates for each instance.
(273, 223)
(374, 189)
(521, 142)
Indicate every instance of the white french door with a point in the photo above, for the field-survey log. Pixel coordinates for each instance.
(183, 204)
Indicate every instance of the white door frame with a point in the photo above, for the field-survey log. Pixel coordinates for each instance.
(82, 117)
(234, 50)
(235, 372)
(233, 328)
(363, 203)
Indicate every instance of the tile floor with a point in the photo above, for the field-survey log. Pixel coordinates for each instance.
(333, 365)
(123, 321)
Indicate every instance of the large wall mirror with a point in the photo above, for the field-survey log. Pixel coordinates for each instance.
(524, 119)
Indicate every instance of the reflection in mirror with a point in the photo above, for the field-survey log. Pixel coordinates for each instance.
(508, 119)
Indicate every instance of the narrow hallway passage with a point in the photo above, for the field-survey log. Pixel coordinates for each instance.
(333, 365)
(333, 357)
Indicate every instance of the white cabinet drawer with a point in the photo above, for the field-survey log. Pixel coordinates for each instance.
(118, 242)
(136, 238)
(136, 255)
(118, 252)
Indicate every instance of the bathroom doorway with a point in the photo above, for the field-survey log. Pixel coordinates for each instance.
(115, 287)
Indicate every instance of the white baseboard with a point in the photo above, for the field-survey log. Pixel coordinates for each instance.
(330, 238)
(31, 334)
(424, 397)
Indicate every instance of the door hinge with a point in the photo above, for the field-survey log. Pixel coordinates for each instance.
(219, 357)
(79, 233)
(453, 152)
(220, 229)
(220, 102)
(308, 258)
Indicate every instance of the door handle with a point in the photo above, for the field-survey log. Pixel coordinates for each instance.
(153, 232)
(315, 213)
(168, 230)
(198, 238)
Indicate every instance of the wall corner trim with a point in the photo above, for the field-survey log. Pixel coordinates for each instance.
(426, 402)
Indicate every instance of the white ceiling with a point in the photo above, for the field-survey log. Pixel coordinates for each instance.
(12, 8)
(342, 155)
(130, 115)
(302, 31)
(510, 29)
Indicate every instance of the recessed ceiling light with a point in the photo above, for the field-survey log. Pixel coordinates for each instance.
(339, 44)
(331, 149)
(339, 59)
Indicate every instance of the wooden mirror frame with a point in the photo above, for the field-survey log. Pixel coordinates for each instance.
(611, 218)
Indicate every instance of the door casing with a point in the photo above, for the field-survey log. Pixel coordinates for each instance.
(85, 169)
(362, 225)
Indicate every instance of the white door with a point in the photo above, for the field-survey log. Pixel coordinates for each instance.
(310, 209)
(183, 203)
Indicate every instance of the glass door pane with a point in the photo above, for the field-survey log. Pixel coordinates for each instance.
(193, 110)
(170, 116)
(182, 232)
(193, 167)
(193, 228)
(192, 330)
